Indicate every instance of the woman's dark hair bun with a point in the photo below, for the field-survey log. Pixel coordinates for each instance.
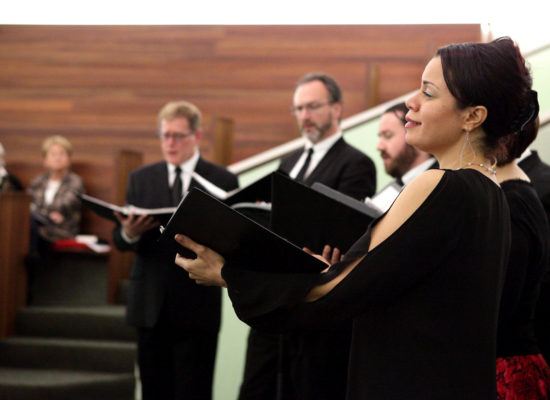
(527, 113)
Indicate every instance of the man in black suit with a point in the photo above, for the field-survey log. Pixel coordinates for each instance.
(313, 366)
(177, 321)
(318, 112)
(539, 174)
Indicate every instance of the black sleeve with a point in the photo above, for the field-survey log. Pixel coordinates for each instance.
(15, 182)
(393, 267)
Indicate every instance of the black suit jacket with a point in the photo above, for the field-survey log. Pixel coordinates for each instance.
(343, 168)
(159, 288)
(318, 361)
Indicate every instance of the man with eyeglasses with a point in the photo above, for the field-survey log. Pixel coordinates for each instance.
(311, 366)
(318, 111)
(177, 321)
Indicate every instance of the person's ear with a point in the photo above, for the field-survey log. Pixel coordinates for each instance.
(198, 135)
(337, 107)
(475, 117)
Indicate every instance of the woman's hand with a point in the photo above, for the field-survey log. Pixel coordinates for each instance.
(329, 256)
(206, 269)
(56, 217)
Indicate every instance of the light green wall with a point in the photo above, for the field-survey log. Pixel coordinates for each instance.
(540, 69)
(232, 342)
(365, 138)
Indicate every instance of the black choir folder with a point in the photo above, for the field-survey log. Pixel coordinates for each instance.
(244, 199)
(316, 216)
(236, 237)
(107, 210)
(259, 190)
(254, 200)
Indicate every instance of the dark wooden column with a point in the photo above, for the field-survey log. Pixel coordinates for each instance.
(372, 87)
(121, 262)
(223, 130)
(14, 246)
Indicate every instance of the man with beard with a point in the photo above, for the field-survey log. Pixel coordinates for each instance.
(401, 160)
(314, 365)
(318, 112)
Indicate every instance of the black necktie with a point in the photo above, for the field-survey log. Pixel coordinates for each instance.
(399, 181)
(176, 188)
(301, 174)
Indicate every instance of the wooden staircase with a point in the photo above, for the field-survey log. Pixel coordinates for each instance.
(69, 343)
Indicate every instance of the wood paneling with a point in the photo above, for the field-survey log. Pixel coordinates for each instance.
(102, 86)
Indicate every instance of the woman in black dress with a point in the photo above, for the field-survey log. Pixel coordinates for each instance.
(423, 284)
(522, 372)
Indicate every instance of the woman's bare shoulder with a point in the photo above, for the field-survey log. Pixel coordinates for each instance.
(408, 201)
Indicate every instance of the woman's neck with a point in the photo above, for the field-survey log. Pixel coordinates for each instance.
(467, 155)
(511, 171)
(57, 175)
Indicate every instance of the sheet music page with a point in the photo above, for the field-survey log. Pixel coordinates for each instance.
(384, 199)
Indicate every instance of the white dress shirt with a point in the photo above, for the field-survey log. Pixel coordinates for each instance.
(187, 168)
(319, 150)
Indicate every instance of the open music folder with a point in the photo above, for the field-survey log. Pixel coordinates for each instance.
(257, 191)
(243, 198)
(302, 217)
(250, 245)
(315, 216)
(107, 210)
(254, 200)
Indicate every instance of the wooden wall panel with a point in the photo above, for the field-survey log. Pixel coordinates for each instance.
(102, 86)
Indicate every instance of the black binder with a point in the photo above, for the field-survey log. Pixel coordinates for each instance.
(311, 218)
(107, 210)
(236, 237)
(259, 190)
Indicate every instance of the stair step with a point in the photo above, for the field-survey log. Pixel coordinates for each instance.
(70, 279)
(99, 322)
(122, 292)
(32, 384)
(68, 354)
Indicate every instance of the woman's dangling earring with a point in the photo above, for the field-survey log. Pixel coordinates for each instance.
(466, 142)
(470, 145)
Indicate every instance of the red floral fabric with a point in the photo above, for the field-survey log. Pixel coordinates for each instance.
(523, 378)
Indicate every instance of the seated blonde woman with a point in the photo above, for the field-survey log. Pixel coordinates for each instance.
(54, 206)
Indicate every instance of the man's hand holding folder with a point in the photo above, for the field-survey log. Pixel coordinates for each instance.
(135, 225)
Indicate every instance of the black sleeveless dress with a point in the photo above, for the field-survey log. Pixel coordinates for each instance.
(522, 373)
(424, 301)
